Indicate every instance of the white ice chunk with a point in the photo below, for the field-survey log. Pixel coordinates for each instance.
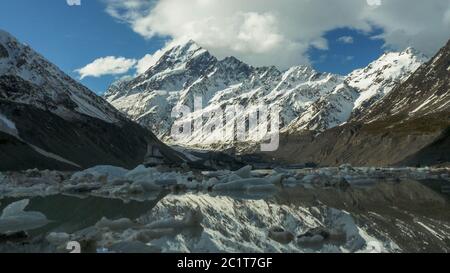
(58, 239)
(141, 173)
(112, 173)
(115, 225)
(243, 184)
(275, 179)
(15, 208)
(144, 186)
(15, 219)
(244, 172)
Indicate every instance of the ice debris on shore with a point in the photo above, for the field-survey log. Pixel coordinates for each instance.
(115, 181)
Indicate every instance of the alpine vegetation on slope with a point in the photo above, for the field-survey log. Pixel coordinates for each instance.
(48, 120)
(305, 98)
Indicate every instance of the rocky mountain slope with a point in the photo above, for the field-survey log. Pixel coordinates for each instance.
(381, 76)
(425, 93)
(362, 88)
(308, 100)
(408, 126)
(48, 120)
(189, 71)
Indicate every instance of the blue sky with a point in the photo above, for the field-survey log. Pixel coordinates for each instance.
(343, 57)
(73, 36)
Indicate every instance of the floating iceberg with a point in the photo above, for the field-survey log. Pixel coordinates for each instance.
(15, 219)
(254, 184)
(111, 173)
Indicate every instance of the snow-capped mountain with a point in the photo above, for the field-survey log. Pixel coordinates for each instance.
(49, 120)
(409, 126)
(361, 89)
(181, 74)
(308, 100)
(329, 111)
(425, 93)
(50, 88)
(188, 71)
(382, 76)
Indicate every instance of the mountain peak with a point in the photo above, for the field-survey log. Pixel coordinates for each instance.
(301, 69)
(188, 49)
(232, 61)
(410, 53)
(381, 76)
(8, 43)
(192, 43)
(424, 93)
(415, 53)
(4, 35)
(299, 72)
(412, 50)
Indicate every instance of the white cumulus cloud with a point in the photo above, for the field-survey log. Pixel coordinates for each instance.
(346, 39)
(266, 32)
(106, 66)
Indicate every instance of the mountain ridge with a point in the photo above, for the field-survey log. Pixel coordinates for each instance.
(49, 120)
(408, 127)
(309, 100)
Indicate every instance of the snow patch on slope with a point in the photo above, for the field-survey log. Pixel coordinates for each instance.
(21, 61)
(53, 156)
(382, 75)
(7, 125)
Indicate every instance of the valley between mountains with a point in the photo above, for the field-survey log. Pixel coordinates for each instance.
(362, 163)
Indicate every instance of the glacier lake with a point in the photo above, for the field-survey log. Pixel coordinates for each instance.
(369, 215)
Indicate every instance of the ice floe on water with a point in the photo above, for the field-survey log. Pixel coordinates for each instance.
(223, 211)
(109, 174)
(203, 223)
(116, 181)
(15, 219)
